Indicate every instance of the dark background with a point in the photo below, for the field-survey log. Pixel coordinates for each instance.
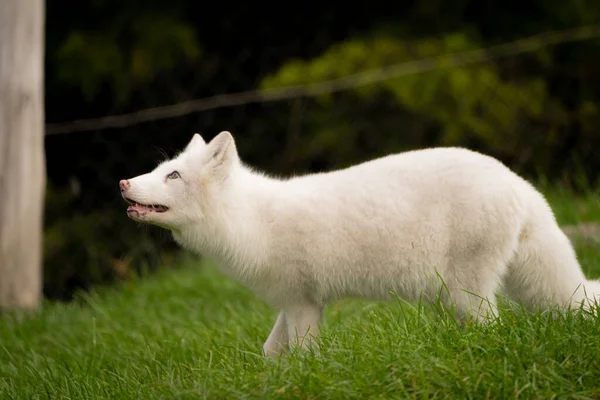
(538, 111)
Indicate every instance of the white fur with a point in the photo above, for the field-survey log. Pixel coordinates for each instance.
(407, 224)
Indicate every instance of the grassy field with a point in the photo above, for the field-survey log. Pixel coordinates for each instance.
(191, 333)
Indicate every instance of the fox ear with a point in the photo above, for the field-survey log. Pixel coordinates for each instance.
(196, 142)
(221, 153)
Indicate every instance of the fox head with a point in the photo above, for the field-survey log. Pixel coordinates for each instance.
(178, 192)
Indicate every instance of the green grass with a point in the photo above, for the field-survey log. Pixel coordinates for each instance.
(571, 210)
(192, 333)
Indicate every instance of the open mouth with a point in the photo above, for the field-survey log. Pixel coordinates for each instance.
(141, 209)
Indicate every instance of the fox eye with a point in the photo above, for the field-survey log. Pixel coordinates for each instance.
(173, 175)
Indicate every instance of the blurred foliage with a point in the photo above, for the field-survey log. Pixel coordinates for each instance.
(537, 112)
(126, 54)
(81, 250)
(478, 105)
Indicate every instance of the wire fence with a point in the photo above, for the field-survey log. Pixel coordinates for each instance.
(353, 81)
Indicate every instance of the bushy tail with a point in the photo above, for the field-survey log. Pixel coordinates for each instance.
(545, 272)
(592, 292)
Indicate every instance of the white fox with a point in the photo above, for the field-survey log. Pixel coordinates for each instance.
(442, 223)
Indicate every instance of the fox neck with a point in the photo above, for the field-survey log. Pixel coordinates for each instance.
(235, 232)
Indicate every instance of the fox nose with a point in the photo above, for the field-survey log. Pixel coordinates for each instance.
(124, 185)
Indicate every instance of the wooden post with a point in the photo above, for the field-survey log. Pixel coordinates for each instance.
(22, 161)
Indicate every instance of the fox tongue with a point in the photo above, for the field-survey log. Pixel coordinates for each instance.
(137, 209)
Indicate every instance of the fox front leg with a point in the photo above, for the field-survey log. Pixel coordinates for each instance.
(303, 325)
(278, 339)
